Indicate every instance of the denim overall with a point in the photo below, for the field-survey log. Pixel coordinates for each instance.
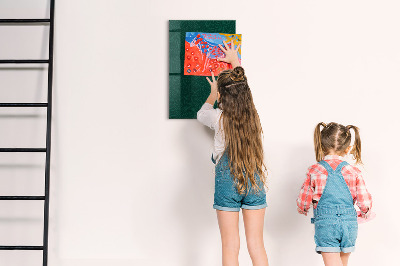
(335, 217)
(226, 195)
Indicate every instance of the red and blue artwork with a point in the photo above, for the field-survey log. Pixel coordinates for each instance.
(202, 51)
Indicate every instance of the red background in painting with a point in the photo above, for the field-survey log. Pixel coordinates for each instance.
(197, 63)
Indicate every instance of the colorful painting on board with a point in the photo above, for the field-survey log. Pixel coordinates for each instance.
(202, 51)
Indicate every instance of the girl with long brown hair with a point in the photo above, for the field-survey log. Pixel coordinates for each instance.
(240, 172)
(333, 186)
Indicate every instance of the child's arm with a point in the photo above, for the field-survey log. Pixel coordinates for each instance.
(214, 89)
(305, 197)
(207, 115)
(364, 199)
(231, 54)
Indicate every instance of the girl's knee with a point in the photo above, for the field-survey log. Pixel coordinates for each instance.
(254, 245)
(231, 244)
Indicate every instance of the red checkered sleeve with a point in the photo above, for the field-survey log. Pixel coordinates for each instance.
(305, 197)
(364, 198)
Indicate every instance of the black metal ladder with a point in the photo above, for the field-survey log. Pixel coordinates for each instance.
(48, 105)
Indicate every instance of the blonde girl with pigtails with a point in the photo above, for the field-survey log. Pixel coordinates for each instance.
(332, 187)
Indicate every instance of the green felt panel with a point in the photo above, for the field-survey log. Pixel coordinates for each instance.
(188, 93)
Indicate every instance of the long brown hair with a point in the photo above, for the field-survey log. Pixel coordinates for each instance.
(242, 129)
(336, 137)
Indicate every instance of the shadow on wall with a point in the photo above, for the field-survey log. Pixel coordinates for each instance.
(193, 203)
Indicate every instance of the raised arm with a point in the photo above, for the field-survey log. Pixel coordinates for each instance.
(207, 115)
(231, 54)
(214, 90)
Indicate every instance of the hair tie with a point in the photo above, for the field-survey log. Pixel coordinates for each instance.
(234, 84)
(348, 130)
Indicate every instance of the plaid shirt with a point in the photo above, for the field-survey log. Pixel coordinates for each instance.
(314, 185)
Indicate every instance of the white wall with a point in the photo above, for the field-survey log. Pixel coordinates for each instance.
(130, 187)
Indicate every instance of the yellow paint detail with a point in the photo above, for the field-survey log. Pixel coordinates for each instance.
(237, 39)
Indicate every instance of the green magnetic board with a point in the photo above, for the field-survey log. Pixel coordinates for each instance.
(188, 93)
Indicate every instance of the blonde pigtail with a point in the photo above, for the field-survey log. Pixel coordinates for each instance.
(356, 151)
(319, 153)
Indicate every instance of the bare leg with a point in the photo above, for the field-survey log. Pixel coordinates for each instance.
(345, 258)
(254, 227)
(332, 259)
(229, 228)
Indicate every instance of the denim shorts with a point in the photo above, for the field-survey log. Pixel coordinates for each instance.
(226, 195)
(335, 233)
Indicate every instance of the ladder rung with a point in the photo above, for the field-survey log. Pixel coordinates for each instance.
(22, 149)
(21, 247)
(34, 20)
(23, 104)
(22, 197)
(24, 61)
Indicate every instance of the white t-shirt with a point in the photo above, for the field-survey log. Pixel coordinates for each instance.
(210, 117)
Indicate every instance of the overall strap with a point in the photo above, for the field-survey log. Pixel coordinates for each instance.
(212, 159)
(326, 166)
(223, 161)
(336, 197)
(340, 166)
